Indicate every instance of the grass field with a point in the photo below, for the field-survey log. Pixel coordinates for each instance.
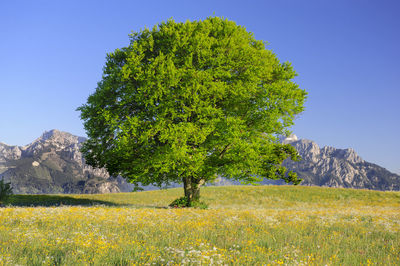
(244, 225)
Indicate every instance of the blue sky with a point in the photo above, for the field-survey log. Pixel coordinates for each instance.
(346, 53)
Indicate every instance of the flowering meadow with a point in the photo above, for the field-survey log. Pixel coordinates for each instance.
(245, 225)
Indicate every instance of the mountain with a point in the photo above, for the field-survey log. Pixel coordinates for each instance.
(53, 163)
(333, 167)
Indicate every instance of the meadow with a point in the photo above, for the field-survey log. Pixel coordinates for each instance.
(244, 225)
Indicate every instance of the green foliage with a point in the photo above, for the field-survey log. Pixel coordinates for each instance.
(179, 203)
(192, 101)
(199, 204)
(5, 191)
(183, 202)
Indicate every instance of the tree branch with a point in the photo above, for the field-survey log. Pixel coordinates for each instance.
(224, 151)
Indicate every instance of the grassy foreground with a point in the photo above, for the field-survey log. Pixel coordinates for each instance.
(244, 226)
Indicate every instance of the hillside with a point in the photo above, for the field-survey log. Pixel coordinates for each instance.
(333, 167)
(53, 163)
(244, 226)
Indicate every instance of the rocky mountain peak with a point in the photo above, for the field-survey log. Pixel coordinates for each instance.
(53, 140)
(329, 166)
(61, 137)
(9, 152)
(53, 163)
(54, 133)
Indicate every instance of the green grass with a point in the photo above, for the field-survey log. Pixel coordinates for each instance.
(245, 225)
(223, 197)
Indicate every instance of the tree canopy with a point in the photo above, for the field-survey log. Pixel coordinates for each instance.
(187, 102)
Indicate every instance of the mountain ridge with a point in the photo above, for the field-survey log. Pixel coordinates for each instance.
(332, 167)
(53, 163)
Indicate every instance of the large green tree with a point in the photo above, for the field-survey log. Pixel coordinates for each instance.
(186, 102)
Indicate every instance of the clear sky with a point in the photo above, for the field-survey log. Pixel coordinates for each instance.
(346, 53)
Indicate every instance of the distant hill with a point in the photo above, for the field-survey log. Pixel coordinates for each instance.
(53, 163)
(333, 167)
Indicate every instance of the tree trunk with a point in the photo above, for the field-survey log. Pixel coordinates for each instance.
(191, 187)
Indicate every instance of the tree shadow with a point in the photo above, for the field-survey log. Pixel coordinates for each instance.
(53, 200)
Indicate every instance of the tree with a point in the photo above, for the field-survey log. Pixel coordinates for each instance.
(186, 102)
(5, 191)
